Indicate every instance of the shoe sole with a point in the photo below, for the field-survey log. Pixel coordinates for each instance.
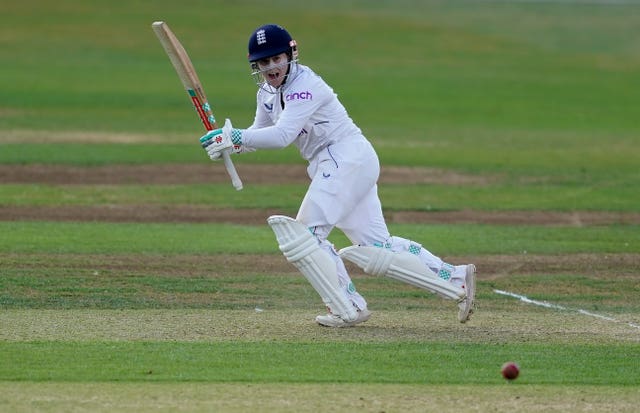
(470, 287)
(362, 317)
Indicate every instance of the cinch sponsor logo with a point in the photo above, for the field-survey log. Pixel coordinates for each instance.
(298, 96)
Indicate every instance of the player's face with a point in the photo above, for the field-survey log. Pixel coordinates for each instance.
(274, 69)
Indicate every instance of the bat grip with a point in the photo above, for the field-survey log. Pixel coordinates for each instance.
(231, 169)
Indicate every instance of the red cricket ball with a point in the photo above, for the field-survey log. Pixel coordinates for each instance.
(510, 370)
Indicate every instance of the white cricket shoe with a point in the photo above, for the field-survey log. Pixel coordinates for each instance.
(332, 320)
(467, 305)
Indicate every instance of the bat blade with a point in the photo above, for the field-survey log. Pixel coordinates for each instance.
(190, 81)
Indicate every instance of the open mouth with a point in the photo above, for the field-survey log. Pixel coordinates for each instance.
(273, 77)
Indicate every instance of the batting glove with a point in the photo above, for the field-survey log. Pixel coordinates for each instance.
(219, 140)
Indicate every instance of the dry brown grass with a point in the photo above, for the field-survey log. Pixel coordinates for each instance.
(374, 398)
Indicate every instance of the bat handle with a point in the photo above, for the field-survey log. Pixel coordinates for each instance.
(231, 169)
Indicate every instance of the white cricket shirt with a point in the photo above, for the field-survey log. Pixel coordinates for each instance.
(305, 111)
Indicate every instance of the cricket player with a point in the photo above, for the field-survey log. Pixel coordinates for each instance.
(295, 106)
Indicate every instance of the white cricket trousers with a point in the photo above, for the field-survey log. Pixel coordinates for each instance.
(344, 194)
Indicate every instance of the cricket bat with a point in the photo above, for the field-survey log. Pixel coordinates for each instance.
(189, 78)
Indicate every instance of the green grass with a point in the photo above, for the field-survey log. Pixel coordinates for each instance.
(513, 196)
(576, 156)
(407, 363)
(492, 197)
(111, 238)
(152, 281)
(534, 99)
(534, 66)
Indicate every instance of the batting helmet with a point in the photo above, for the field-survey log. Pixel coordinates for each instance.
(270, 40)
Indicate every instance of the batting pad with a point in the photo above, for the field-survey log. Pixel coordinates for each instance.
(402, 266)
(302, 249)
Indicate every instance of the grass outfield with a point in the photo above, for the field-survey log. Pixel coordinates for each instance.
(490, 109)
(153, 397)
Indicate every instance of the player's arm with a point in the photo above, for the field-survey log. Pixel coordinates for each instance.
(277, 136)
(230, 139)
(293, 119)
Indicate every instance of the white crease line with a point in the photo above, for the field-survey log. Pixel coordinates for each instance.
(545, 304)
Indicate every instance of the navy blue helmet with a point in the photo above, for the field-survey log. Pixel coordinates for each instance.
(270, 40)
